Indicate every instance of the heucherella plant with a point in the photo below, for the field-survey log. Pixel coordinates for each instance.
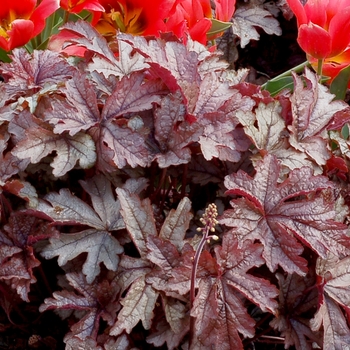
(154, 197)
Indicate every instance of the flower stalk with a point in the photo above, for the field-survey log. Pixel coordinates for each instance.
(209, 221)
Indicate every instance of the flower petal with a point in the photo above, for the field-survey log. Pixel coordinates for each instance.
(316, 12)
(224, 9)
(44, 10)
(314, 40)
(299, 11)
(19, 8)
(339, 31)
(78, 6)
(20, 33)
(199, 31)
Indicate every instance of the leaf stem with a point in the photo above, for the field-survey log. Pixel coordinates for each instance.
(184, 180)
(297, 69)
(319, 68)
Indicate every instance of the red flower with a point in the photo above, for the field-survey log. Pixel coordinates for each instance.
(191, 17)
(332, 66)
(324, 26)
(22, 20)
(224, 9)
(194, 17)
(138, 17)
(76, 6)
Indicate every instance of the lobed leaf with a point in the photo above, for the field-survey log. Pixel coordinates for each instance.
(267, 130)
(217, 326)
(335, 273)
(176, 224)
(104, 202)
(77, 111)
(98, 241)
(336, 330)
(173, 133)
(127, 63)
(84, 35)
(297, 298)
(27, 74)
(164, 334)
(17, 258)
(100, 246)
(132, 94)
(69, 209)
(128, 146)
(138, 218)
(138, 305)
(97, 300)
(313, 109)
(246, 18)
(235, 261)
(277, 214)
(70, 150)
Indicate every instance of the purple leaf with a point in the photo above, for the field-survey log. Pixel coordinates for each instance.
(97, 299)
(100, 246)
(336, 330)
(78, 111)
(313, 109)
(297, 299)
(277, 214)
(138, 305)
(132, 94)
(41, 141)
(176, 224)
(87, 36)
(138, 218)
(127, 63)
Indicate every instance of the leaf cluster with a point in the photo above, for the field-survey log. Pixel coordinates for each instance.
(107, 164)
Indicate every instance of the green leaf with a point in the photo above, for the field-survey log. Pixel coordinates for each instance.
(340, 83)
(275, 86)
(4, 56)
(345, 131)
(218, 27)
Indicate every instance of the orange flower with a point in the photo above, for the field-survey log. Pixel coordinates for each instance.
(138, 17)
(22, 20)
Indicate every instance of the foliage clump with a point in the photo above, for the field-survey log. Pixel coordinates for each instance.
(107, 164)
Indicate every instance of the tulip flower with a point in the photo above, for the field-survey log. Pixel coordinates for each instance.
(324, 34)
(194, 17)
(324, 26)
(224, 9)
(138, 17)
(22, 20)
(76, 6)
